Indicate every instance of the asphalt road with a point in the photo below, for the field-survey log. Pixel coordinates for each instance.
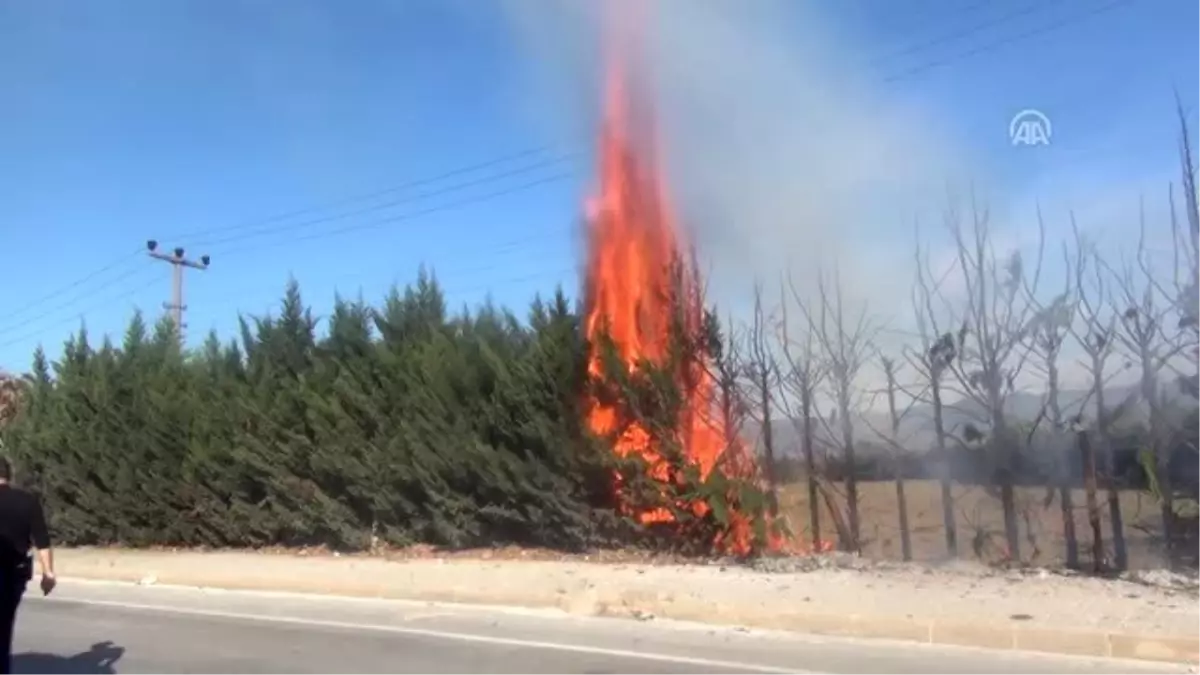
(111, 628)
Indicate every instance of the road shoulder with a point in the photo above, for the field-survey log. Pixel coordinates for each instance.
(1048, 614)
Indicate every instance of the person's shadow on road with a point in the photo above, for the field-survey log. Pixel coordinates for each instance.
(99, 659)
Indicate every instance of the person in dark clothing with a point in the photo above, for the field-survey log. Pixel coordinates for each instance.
(22, 524)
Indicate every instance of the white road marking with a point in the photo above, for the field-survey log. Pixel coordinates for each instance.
(547, 612)
(437, 634)
(448, 606)
(428, 615)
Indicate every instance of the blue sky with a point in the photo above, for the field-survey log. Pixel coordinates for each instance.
(172, 120)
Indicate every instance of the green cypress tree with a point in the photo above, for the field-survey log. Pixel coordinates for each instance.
(401, 425)
(280, 447)
(348, 425)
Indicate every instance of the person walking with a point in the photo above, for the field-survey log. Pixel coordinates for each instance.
(22, 524)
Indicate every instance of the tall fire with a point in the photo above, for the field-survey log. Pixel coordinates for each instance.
(636, 281)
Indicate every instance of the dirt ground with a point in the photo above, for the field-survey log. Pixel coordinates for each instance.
(980, 523)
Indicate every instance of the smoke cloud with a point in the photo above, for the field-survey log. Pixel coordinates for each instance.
(784, 152)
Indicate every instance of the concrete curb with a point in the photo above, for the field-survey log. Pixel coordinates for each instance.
(366, 578)
(1105, 644)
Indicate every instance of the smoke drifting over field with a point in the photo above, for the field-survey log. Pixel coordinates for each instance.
(788, 151)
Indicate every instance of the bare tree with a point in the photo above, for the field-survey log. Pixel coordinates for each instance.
(1095, 335)
(937, 353)
(727, 370)
(992, 349)
(846, 345)
(1083, 440)
(1186, 239)
(1187, 258)
(800, 383)
(763, 374)
(1047, 332)
(1144, 331)
(889, 370)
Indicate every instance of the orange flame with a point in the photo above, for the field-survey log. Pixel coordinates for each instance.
(634, 289)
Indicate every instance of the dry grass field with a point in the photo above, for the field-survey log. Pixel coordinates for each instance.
(980, 523)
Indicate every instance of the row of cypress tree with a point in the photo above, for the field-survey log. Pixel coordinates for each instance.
(387, 425)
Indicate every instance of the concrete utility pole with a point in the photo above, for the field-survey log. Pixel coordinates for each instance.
(178, 262)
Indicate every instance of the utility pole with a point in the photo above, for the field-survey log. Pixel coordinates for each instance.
(177, 262)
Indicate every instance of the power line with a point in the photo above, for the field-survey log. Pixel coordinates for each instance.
(407, 216)
(379, 207)
(66, 305)
(493, 251)
(276, 294)
(455, 289)
(913, 11)
(188, 237)
(75, 284)
(435, 209)
(402, 217)
(959, 34)
(75, 317)
(992, 46)
(145, 285)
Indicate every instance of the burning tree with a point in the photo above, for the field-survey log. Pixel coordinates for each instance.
(654, 393)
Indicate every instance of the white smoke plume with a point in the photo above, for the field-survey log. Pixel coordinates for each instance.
(784, 150)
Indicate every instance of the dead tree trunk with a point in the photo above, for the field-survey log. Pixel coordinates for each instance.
(889, 368)
(801, 381)
(1066, 502)
(1051, 323)
(764, 390)
(1088, 459)
(810, 468)
(835, 514)
(845, 344)
(762, 371)
(1109, 474)
(946, 471)
(1097, 340)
